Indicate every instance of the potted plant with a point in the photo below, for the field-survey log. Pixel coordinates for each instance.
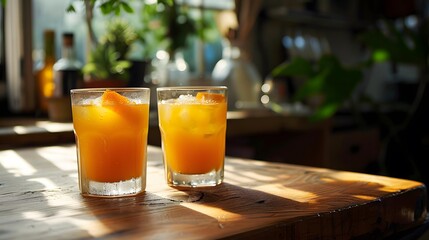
(106, 6)
(166, 25)
(327, 84)
(107, 63)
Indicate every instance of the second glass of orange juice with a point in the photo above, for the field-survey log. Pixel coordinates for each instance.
(111, 127)
(192, 121)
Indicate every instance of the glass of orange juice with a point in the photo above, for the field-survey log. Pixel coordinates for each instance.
(192, 122)
(111, 127)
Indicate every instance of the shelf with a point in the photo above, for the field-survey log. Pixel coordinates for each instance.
(296, 17)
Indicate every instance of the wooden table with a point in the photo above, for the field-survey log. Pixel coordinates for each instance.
(39, 199)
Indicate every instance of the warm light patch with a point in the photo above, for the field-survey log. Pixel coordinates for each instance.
(378, 182)
(34, 215)
(239, 176)
(58, 200)
(54, 127)
(64, 209)
(364, 197)
(327, 180)
(15, 164)
(55, 155)
(287, 192)
(47, 183)
(220, 214)
(259, 177)
(20, 130)
(93, 227)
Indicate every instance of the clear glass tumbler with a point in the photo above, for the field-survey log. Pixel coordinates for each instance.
(111, 127)
(192, 121)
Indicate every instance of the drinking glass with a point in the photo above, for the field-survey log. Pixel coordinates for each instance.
(111, 127)
(192, 122)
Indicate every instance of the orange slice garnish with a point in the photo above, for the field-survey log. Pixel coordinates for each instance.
(207, 97)
(121, 105)
(110, 97)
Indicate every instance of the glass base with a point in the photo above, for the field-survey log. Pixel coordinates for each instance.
(116, 189)
(210, 179)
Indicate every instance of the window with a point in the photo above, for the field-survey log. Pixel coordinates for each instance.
(47, 14)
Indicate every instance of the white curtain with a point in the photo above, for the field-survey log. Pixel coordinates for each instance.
(18, 39)
(14, 54)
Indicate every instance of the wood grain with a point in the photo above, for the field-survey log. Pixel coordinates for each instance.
(39, 198)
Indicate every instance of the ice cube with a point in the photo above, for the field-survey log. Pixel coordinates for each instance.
(96, 101)
(186, 99)
(89, 101)
(168, 101)
(186, 117)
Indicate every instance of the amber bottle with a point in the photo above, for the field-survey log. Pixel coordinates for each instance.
(45, 75)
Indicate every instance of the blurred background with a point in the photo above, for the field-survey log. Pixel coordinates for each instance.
(348, 77)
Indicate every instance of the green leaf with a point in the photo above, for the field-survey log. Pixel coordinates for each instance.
(324, 112)
(402, 45)
(106, 8)
(311, 87)
(326, 78)
(167, 2)
(70, 9)
(297, 67)
(127, 8)
(89, 68)
(328, 62)
(380, 55)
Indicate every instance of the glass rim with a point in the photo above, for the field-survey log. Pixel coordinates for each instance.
(192, 88)
(121, 89)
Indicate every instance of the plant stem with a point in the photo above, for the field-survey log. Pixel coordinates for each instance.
(89, 15)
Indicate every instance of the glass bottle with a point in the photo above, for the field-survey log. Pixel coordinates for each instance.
(67, 70)
(236, 71)
(45, 75)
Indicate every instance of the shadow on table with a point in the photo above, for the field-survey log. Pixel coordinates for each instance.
(169, 213)
(228, 209)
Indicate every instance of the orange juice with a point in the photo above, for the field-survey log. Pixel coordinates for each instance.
(111, 138)
(193, 133)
